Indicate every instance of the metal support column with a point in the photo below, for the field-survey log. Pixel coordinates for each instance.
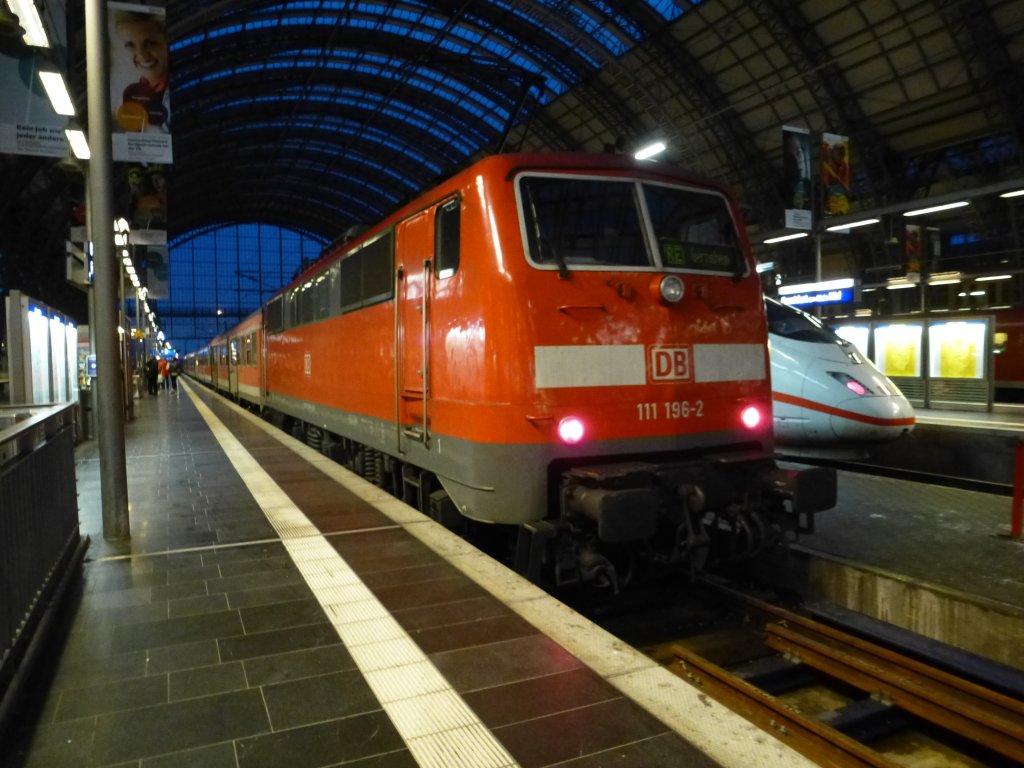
(109, 404)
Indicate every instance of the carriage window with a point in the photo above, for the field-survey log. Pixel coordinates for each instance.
(584, 222)
(377, 270)
(693, 230)
(447, 239)
(323, 296)
(351, 281)
(365, 276)
(292, 308)
(273, 316)
(307, 302)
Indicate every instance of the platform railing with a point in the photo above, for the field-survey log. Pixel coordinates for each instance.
(38, 522)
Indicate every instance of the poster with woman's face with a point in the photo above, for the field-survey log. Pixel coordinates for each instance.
(140, 92)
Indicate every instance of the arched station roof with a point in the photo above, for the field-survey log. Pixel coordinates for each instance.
(320, 114)
(324, 113)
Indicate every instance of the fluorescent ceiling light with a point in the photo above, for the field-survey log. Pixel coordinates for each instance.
(765, 266)
(78, 142)
(936, 208)
(986, 278)
(785, 237)
(53, 82)
(827, 285)
(851, 225)
(28, 16)
(650, 150)
(944, 278)
(1015, 193)
(910, 281)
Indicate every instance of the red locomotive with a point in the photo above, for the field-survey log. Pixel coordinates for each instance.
(571, 344)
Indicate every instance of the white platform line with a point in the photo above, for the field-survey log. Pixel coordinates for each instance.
(435, 722)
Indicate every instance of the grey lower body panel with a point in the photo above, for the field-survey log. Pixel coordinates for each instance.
(504, 483)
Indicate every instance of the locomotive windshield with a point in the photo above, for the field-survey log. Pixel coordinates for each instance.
(613, 223)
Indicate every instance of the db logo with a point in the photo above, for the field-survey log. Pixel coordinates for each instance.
(669, 363)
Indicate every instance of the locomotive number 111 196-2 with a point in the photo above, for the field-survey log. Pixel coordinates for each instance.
(671, 409)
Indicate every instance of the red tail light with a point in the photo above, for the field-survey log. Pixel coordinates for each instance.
(751, 417)
(571, 430)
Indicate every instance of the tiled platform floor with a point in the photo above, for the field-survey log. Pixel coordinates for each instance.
(199, 643)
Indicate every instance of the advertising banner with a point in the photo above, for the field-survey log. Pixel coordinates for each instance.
(957, 349)
(835, 174)
(28, 124)
(912, 248)
(154, 266)
(796, 171)
(140, 193)
(898, 349)
(139, 83)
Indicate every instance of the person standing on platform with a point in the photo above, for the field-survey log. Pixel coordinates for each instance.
(165, 369)
(175, 372)
(152, 372)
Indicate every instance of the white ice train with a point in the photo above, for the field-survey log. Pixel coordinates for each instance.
(826, 396)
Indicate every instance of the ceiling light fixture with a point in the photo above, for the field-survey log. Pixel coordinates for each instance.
(783, 238)
(944, 278)
(851, 225)
(35, 32)
(936, 208)
(53, 82)
(909, 281)
(1015, 193)
(645, 153)
(79, 144)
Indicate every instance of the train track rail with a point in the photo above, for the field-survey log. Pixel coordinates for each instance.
(888, 692)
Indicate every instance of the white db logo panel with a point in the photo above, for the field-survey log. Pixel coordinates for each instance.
(669, 363)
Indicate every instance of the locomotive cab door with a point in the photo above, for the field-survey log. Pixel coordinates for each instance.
(413, 252)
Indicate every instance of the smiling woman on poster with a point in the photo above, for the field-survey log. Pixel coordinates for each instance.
(139, 81)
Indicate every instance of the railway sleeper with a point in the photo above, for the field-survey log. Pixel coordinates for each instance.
(868, 719)
(776, 674)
